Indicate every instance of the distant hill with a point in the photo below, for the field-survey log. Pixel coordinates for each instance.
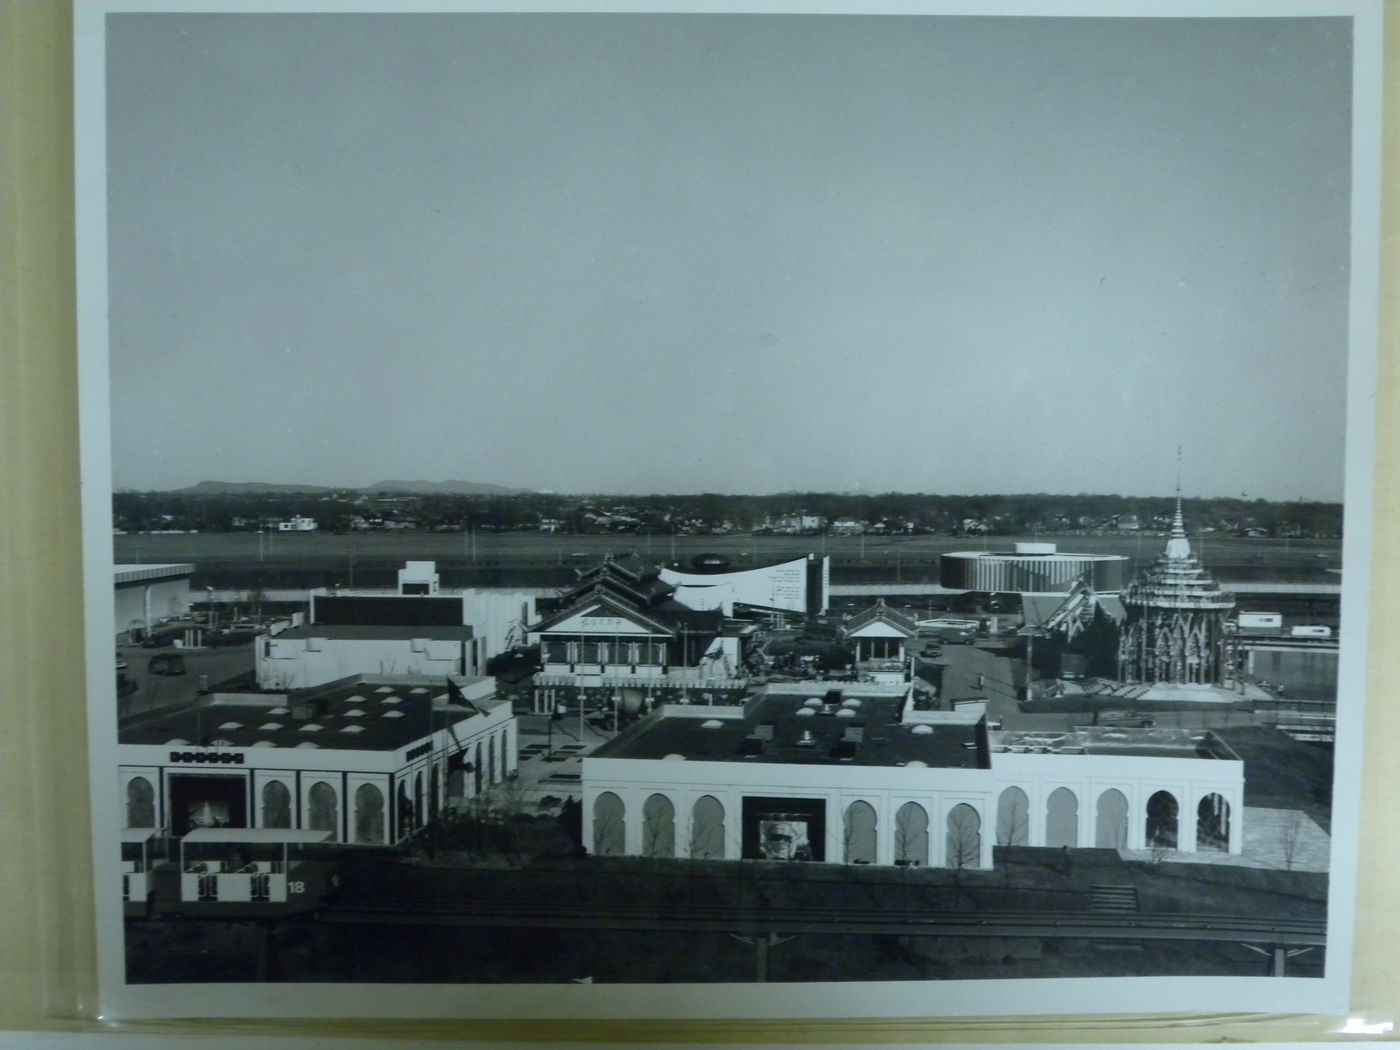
(444, 488)
(235, 488)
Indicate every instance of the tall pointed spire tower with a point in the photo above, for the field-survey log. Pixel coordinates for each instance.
(1175, 627)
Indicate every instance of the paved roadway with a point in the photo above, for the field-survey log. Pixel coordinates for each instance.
(917, 554)
(156, 693)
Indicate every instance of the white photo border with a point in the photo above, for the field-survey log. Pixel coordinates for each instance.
(847, 1000)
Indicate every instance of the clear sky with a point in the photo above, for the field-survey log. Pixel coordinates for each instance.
(636, 253)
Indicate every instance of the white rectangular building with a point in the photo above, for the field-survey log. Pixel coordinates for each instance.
(843, 778)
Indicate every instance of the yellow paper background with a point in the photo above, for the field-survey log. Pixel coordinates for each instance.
(46, 909)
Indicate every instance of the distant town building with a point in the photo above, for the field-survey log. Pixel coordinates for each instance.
(297, 524)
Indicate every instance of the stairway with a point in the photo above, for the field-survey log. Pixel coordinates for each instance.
(1113, 898)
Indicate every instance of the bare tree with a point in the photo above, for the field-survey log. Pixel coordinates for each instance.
(964, 838)
(911, 836)
(1290, 838)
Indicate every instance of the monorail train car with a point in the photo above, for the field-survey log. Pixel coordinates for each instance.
(226, 873)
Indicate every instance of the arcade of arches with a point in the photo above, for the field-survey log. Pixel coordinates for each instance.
(663, 824)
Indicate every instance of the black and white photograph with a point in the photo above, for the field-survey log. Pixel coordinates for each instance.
(699, 512)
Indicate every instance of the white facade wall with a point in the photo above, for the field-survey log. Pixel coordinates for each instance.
(782, 586)
(143, 603)
(498, 617)
(936, 790)
(297, 663)
(343, 771)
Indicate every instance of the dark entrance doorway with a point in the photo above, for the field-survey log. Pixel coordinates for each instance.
(207, 801)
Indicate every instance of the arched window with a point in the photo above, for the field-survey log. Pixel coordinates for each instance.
(1213, 824)
(369, 814)
(1161, 821)
(658, 827)
(419, 817)
(491, 760)
(434, 790)
(324, 811)
(1013, 818)
(911, 835)
(276, 805)
(405, 810)
(1062, 819)
(1111, 820)
(707, 829)
(964, 837)
(860, 833)
(456, 784)
(478, 768)
(609, 825)
(140, 803)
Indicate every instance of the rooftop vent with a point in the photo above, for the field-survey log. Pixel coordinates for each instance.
(807, 739)
(915, 763)
(232, 725)
(417, 691)
(263, 743)
(353, 729)
(175, 741)
(308, 744)
(354, 712)
(270, 727)
(356, 699)
(922, 730)
(673, 757)
(812, 703)
(806, 712)
(845, 712)
(712, 723)
(392, 714)
(391, 700)
(385, 689)
(852, 702)
(280, 711)
(311, 727)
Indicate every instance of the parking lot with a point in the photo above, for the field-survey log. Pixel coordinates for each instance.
(159, 692)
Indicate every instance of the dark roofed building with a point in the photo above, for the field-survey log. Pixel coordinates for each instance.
(619, 628)
(861, 778)
(369, 758)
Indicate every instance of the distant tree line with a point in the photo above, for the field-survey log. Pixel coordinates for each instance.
(893, 512)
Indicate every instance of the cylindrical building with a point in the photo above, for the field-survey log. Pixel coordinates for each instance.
(1032, 568)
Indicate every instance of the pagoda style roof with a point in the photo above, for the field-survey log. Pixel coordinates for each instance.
(628, 577)
(880, 613)
(1177, 579)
